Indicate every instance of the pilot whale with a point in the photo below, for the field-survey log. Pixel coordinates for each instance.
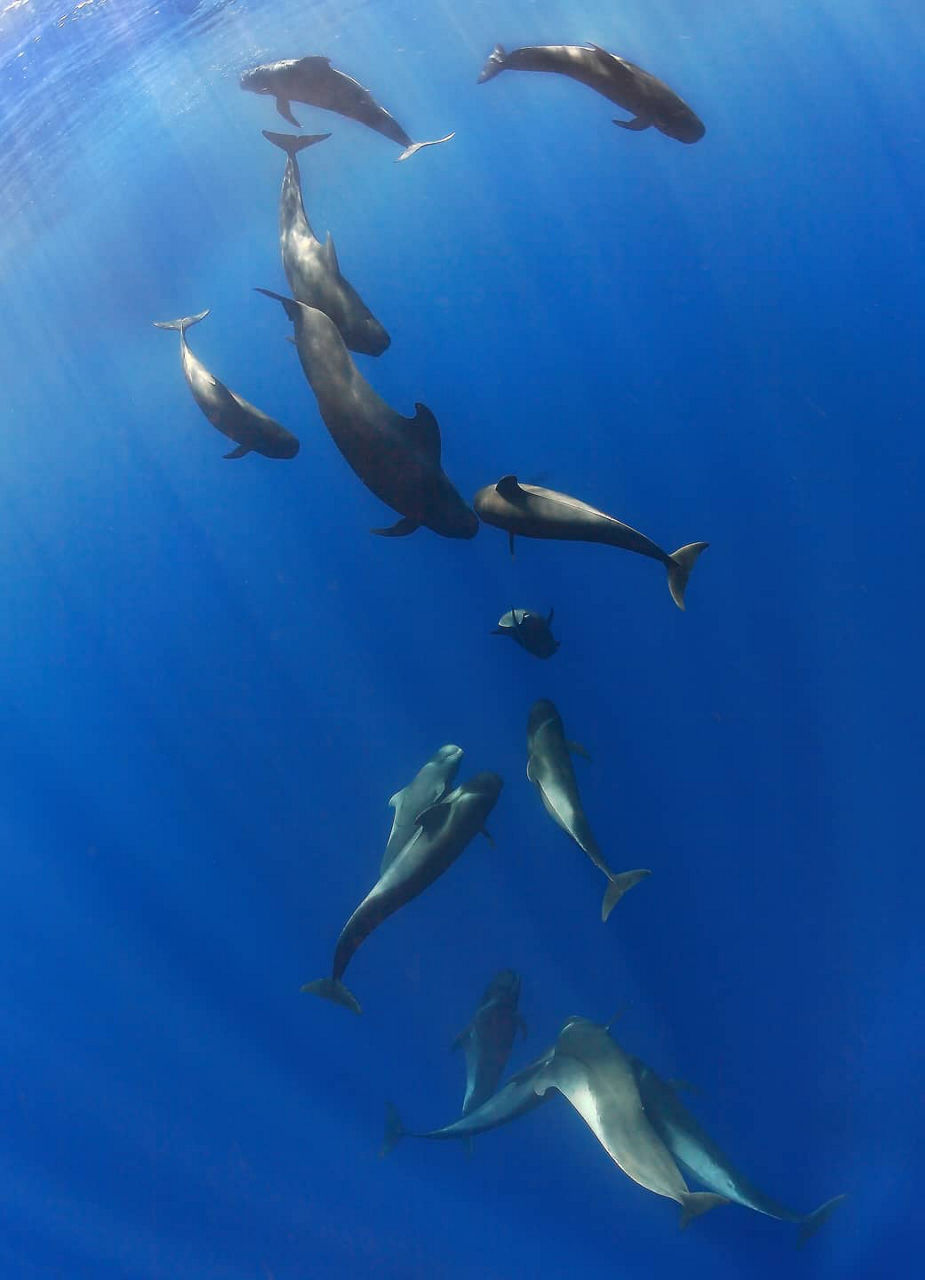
(530, 630)
(590, 1070)
(549, 768)
(488, 1039)
(514, 1099)
(397, 458)
(648, 99)
(703, 1161)
(250, 428)
(443, 832)
(533, 512)
(429, 784)
(311, 267)
(314, 81)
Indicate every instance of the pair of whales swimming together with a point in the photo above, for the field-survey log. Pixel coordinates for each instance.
(636, 1117)
(431, 828)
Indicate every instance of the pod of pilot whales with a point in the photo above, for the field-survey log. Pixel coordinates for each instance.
(636, 1116)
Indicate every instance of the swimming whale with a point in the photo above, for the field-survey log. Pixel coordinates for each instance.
(532, 512)
(311, 267)
(549, 768)
(397, 458)
(314, 81)
(428, 785)
(529, 630)
(590, 1070)
(648, 99)
(250, 429)
(489, 1038)
(444, 830)
(514, 1099)
(703, 1161)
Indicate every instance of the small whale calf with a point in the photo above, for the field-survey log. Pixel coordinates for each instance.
(591, 1071)
(397, 458)
(311, 267)
(488, 1039)
(649, 99)
(429, 784)
(529, 630)
(314, 81)
(549, 768)
(514, 1099)
(533, 512)
(703, 1161)
(250, 428)
(443, 831)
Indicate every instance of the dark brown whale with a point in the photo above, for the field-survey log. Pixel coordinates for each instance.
(311, 267)
(649, 99)
(250, 428)
(532, 512)
(314, 81)
(444, 830)
(397, 458)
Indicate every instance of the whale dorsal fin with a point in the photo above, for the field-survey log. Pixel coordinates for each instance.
(313, 60)
(508, 487)
(426, 433)
(330, 254)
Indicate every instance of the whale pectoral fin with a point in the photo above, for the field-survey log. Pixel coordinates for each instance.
(636, 125)
(426, 432)
(241, 450)
(431, 819)
(563, 1073)
(284, 109)
(330, 255)
(393, 800)
(531, 777)
(578, 750)
(488, 836)
(400, 529)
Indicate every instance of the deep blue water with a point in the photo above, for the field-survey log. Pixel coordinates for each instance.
(214, 677)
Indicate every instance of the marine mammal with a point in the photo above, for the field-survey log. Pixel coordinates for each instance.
(444, 830)
(648, 99)
(314, 81)
(311, 267)
(702, 1160)
(429, 784)
(549, 768)
(397, 458)
(232, 415)
(533, 512)
(514, 1099)
(529, 630)
(592, 1072)
(489, 1038)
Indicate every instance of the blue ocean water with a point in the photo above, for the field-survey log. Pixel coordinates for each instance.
(214, 677)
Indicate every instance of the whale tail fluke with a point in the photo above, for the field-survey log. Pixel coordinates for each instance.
(697, 1202)
(813, 1221)
(415, 147)
(331, 989)
(679, 567)
(291, 143)
(494, 65)
(394, 1130)
(290, 305)
(618, 885)
(184, 322)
